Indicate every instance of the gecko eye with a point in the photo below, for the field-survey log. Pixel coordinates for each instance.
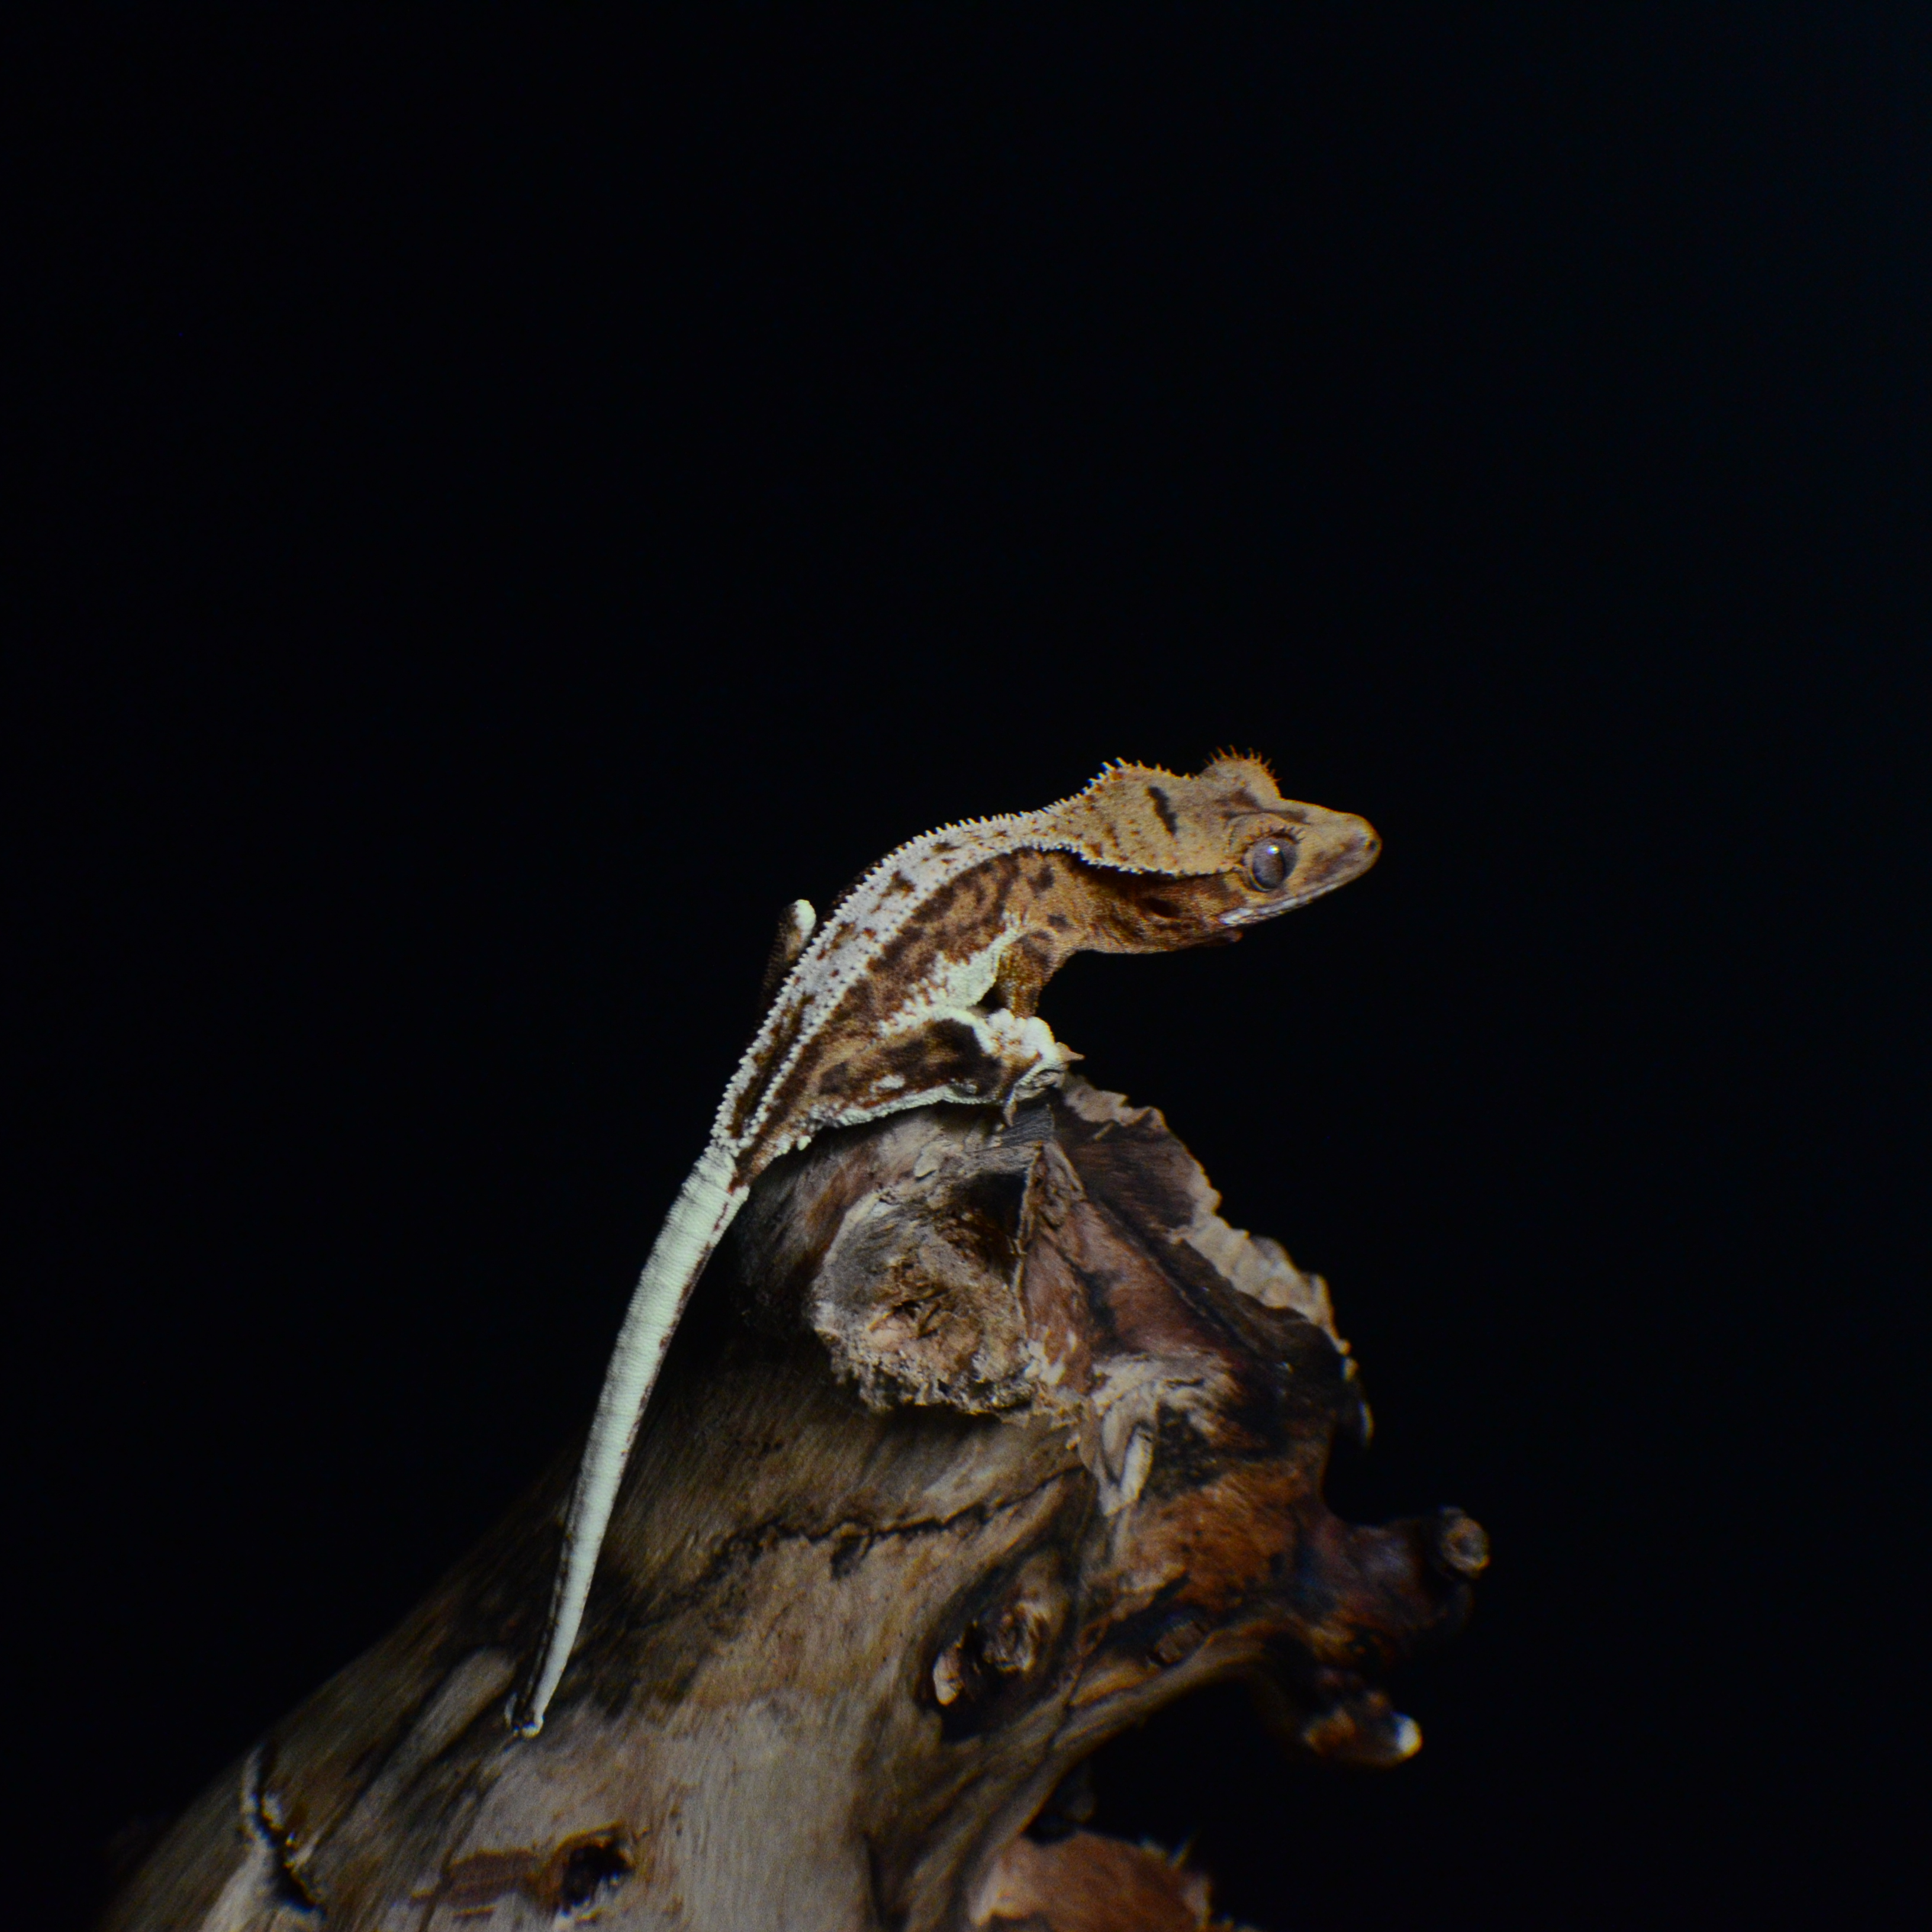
(1269, 863)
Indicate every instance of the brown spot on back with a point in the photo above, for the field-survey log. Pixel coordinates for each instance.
(955, 922)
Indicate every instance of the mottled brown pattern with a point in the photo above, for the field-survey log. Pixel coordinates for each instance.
(845, 1651)
(1058, 904)
(1142, 861)
(924, 989)
(848, 1054)
(1088, 1883)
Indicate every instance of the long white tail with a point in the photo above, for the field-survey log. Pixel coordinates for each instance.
(704, 1208)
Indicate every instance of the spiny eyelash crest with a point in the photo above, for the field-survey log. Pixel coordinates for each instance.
(993, 821)
(1113, 768)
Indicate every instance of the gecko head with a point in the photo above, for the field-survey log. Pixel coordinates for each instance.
(1271, 854)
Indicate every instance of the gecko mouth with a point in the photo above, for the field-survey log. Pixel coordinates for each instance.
(1253, 915)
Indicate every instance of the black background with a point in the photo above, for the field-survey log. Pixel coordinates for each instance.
(514, 502)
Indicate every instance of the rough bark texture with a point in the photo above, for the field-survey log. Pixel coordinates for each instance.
(996, 1438)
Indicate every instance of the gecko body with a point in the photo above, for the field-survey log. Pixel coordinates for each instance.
(922, 986)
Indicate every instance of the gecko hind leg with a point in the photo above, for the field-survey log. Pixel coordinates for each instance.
(796, 924)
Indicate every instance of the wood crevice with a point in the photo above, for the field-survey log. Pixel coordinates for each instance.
(856, 1624)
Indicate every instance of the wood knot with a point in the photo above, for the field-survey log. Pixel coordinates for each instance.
(1461, 1545)
(1365, 1729)
(1004, 1642)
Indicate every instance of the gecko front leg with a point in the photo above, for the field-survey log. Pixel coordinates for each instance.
(1026, 1059)
(1023, 970)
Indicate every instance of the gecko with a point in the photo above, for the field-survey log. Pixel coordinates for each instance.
(922, 986)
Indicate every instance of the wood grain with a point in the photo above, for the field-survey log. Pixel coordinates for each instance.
(1002, 1440)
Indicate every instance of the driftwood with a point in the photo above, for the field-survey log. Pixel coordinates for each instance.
(994, 1439)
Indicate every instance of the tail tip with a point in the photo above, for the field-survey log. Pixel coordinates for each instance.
(522, 1722)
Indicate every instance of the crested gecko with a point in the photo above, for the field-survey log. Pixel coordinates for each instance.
(921, 987)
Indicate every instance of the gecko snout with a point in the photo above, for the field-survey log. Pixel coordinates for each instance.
(1357, 846)
(1343, 848)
